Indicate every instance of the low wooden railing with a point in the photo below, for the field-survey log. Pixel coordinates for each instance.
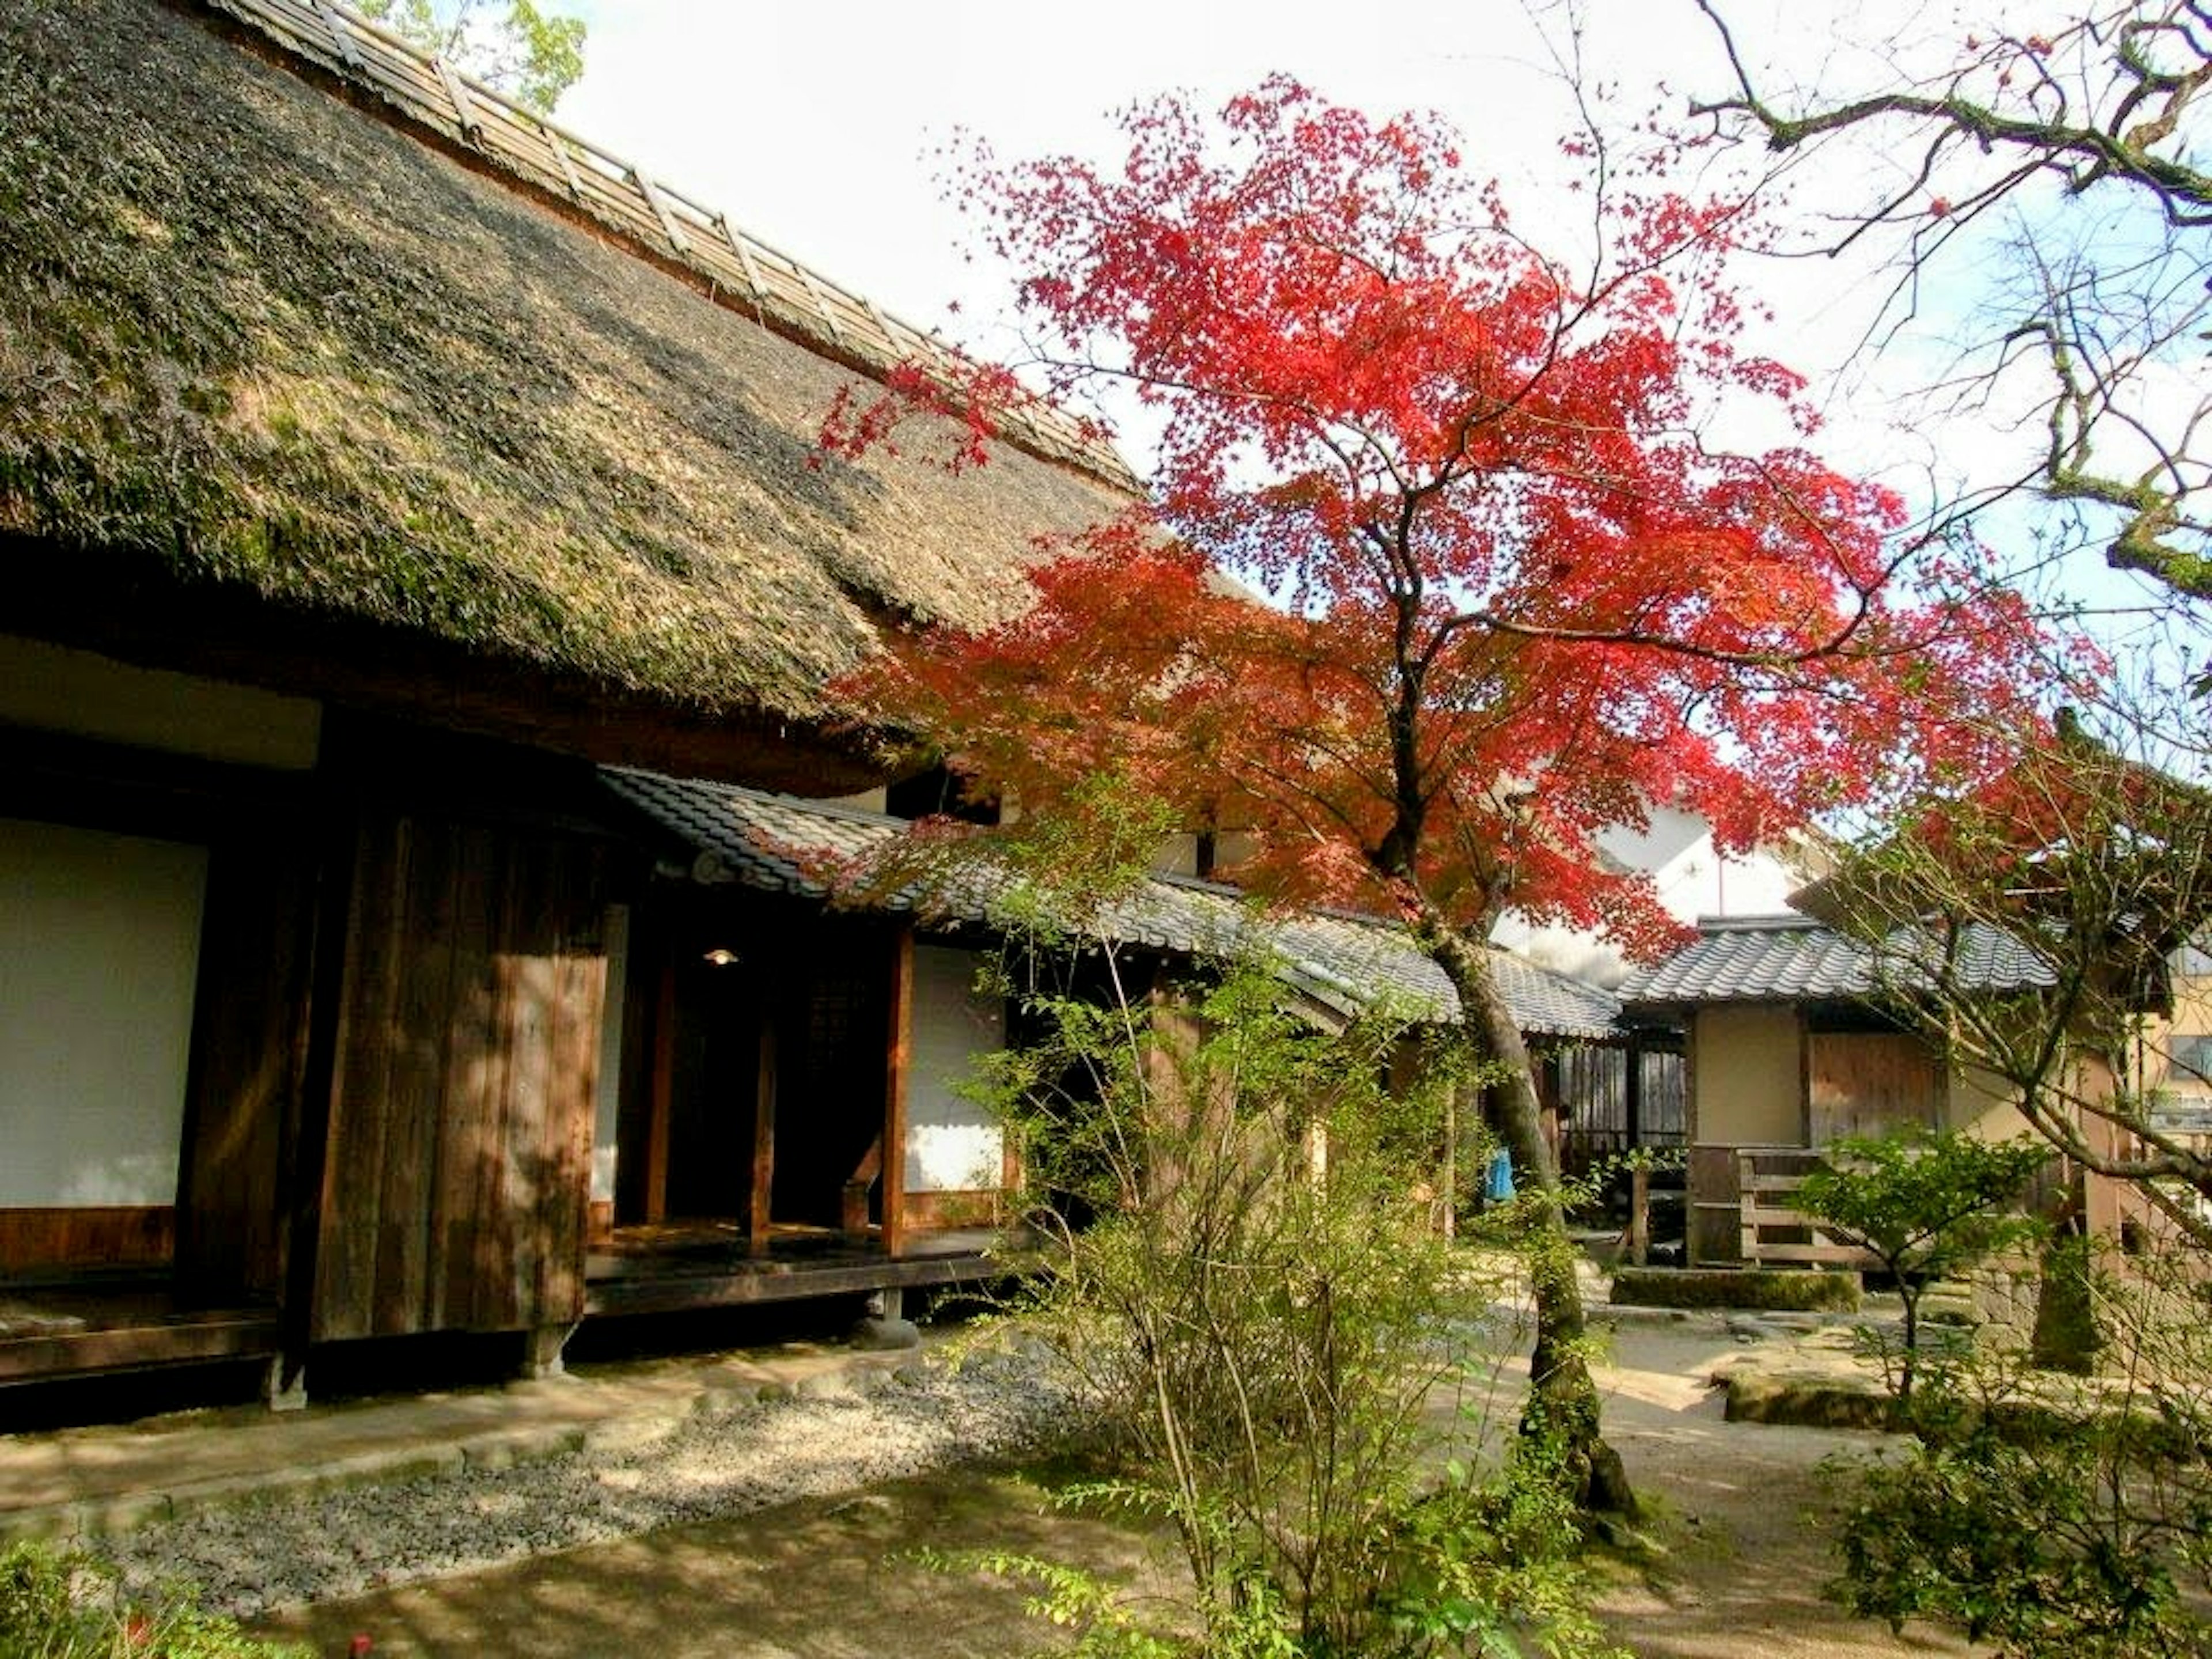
(1764, 1196)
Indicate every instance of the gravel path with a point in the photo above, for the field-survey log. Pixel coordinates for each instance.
(1740, 1515)
(838, 1432)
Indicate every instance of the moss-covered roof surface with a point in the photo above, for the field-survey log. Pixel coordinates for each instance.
(267, 346)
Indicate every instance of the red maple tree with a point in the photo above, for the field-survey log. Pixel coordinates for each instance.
(1495, 590)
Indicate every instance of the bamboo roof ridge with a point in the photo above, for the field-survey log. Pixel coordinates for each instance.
(277, 372)
(636, 203)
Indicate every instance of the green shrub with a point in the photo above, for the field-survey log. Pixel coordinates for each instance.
(1240, 1272)
(2048, 1515)
(58, 1606)
(1787, 1291)
(1925, 1205)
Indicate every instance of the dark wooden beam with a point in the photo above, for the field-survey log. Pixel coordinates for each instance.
(664, 1097)
(782, 1282)
(760, 1197)
(135, 611)
(159, 1342)
(897, 1061)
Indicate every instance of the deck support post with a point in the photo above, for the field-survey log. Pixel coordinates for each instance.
(885, 1324)
(662, 1104)
(541, 1351)
(284, 1389)
(898, 1052)
(760, 1195)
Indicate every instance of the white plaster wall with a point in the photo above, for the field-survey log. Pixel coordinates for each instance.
(1691, 879)
(608, 1106)
(56, 689)
(98, 952)
(952, 1144)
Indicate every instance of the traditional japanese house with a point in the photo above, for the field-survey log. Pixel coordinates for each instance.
(377, 462)
(1793, 1040)
(739, 998)
(421, 562)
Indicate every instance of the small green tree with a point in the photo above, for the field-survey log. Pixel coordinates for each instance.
(531, 54)
(2050, 1515)
(1243, 1279)
(1923, 1204)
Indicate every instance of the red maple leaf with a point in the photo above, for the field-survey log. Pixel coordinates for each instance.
(1497, 593)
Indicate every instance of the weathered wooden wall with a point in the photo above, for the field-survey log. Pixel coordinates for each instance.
(457, 1177)
(1871, 1083)
(249, 1056)
(1715, 1218)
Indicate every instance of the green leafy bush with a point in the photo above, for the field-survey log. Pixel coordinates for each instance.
(2049, 1515)
(1244, 1272)
(1925, 1205)
(58, 1606)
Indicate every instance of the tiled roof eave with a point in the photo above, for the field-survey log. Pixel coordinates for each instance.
(1343, 962)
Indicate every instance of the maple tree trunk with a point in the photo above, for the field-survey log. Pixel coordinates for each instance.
(1563, 1400)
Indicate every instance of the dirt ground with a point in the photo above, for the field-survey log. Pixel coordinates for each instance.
(1738, 1517)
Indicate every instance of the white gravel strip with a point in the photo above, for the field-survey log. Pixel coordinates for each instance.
(838, 1432)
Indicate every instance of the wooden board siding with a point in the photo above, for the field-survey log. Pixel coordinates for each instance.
(249, 1058)
(1715, 1212)
(1866, 1083)
(931, 1211)
(457, 1182)
(35, 1239)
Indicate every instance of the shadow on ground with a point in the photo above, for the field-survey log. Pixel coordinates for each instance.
(1740, 1526)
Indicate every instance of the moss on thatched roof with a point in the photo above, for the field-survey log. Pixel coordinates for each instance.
(261, 344)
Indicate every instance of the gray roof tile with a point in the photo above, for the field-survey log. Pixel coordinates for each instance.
(1343, 960)
(1791, 959)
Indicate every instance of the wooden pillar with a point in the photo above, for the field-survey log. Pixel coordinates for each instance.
(898, 1052)
(664, 1097)
(304, 1159)
(759, 1213)
(1639, 1215)
(1631, 1096)
(1546, 1064)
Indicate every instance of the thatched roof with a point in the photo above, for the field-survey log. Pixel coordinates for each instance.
(274, 351)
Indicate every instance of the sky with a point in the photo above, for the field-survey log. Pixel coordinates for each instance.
(818, 127)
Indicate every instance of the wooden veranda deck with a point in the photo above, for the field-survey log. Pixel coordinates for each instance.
(669, 1266)
(133, 1322)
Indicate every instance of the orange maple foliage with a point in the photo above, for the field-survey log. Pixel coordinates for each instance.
(1495, 591)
